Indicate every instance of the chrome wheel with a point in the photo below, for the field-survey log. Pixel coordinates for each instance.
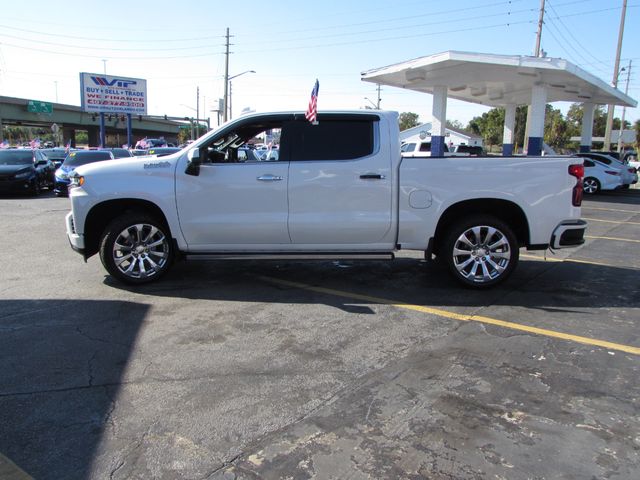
(481, 254)
(590, 185)
(140, 251)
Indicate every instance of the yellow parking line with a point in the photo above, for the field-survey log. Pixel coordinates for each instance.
(611, 221)
(571, 260)
(637, 212)
(460, 317)
(613, 238)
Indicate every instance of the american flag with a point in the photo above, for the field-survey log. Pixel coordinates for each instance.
(35, 143)
(68, 147)
(312, 111)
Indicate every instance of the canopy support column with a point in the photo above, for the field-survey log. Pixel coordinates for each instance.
(536, 129)
(508, 135)
(439, 121)
(587, 127)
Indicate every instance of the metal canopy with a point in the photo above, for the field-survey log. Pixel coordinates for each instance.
(498, 80)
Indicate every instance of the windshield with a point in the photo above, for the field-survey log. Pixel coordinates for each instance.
(75, 159)
(16, 157)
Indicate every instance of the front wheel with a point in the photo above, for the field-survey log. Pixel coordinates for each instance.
(481, 251)
(136, 248)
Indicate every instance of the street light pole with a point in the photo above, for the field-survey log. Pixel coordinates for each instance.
(228, 92)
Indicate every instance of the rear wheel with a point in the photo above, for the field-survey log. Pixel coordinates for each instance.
(136, 248)
(481, 251)
(591, 185)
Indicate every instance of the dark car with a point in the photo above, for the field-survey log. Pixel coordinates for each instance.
(73, 161)
(162, 151)
(23, 170)
(56, 155)
(119, 152)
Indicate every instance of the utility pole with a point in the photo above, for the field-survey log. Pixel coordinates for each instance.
(226, 79)
(614, 82)
(378, 103)
(198, 109)
(536, 53)
(624, 109)
(539, 34)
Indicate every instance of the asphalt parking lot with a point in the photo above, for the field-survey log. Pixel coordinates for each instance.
(321, 370)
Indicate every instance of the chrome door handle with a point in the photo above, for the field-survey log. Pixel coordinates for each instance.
(372, 176)
(269, 178)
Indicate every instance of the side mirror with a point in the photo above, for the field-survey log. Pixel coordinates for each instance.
(193, 162)
(40, 163)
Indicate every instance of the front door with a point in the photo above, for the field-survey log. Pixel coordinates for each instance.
(238, 201)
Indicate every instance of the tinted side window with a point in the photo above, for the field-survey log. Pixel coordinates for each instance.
(425, 147)
(332, 140)
(589, 163)
(408, 147)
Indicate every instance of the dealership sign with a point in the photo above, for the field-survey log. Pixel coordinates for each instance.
(112, 94)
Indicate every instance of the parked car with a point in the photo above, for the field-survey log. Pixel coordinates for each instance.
(119, 152)
(598, 176)
(162, 151)
(73, 161)
(627, 173)
(472, 150)
(24, 170)
(420, 149)
(56, 155)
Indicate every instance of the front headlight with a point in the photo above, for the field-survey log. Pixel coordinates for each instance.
(76, 180)
(22, 175)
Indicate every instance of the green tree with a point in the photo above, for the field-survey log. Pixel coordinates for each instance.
(455, 124)
(556, 133)
(637, 128)
(408, 120)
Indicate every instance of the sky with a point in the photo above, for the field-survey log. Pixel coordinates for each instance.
(178, 47)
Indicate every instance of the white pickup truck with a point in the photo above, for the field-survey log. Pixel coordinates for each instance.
(336, 190)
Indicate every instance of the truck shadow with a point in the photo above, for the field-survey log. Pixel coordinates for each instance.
(62, 363)
(547, 286)
(629, 196)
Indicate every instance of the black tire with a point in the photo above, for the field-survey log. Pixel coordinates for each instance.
(35, 188)
(590, 185)
(144, 250)
(480, 251)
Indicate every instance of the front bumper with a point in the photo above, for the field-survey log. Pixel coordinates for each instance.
(61, 187)
(75, 240)
(11, 185)
(568, 234)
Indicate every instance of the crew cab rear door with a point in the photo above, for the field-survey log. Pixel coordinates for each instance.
(340, 183)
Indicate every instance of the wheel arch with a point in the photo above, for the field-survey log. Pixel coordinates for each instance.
(102, 214)
(505, 210)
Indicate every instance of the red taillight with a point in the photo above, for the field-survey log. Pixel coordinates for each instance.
(612, 172)
(578, 172)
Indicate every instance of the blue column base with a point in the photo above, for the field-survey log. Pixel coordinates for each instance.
(585, 148)
(437, 146)
(507, 149)
(535, 146)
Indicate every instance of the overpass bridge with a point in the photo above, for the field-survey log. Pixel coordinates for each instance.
(71, 118)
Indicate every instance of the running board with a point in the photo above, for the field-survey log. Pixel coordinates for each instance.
(292, 256)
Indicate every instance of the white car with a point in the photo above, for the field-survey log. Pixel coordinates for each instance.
(627, 173)
(422, 149)
(598, 176)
